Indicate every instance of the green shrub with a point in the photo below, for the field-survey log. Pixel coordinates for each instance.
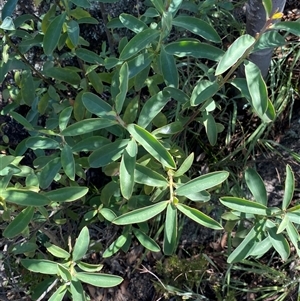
(110, 112)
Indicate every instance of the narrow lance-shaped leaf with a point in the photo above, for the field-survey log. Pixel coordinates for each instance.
(141, 215)
(132, 23)
(256, 186)
(63, 74)
(123, 87)
(289, 188)
(236, 50)
(115, 246)
(52, 34)
(66, 194)
(151, 145)
(169, 69)
(87, 126)
(68, 162)
(195, 49)
(289, 26)
(73, 32)
(202, 183)
(64, 117)
(146, 241)
(42, 266)
(279, 243)
(244, 206)
(247, 245)
(199, 217)
(27, 88)
(81, 244)
(49, 172)
(152, 107)
(99, 280)
(147, 176)
(127, 169)
(8, 8)
(170, 230)
(19, 223)
(95, 104)
(107, 153)
(24, 197)
(138, 43)
(198, 27)
(257, 88)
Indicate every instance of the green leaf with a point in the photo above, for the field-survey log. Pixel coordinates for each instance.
(63, 74)
(64, 117)
(138, 43)
(149, 177)
(68, 162)
(257, 88)
(42, 266)
(269, 39)
(49, 172)
(138, 64)
(77, 290)
(123, 87)
(279, 243)
(57, 251)
(170, 230)
(203, 91)
(73, 32)
(202, 183)
(289, 188)
(53, 33)
(5, 160)
(198, 27)
(283, 224)
(115, 246)
(199, 217)
(59, 294)
(289, 26)
(236, 50)
(211, 129)
(127, 167)
(293, 235)
(194, 49)
(140, 215)
(249, 243)
(131, 111)
(39, 142)
(152, 107)
(19, 223)
(64, 273)
(132, 23)
(90, 144)
(89, 56)
(19, 118)
(174, 6)
(7, 24)
(27, 87)
(151, 145)
(168, 130)
(81, 245)
(146, 241)
(24, 197)
(66, 194)
(261, 248)
(244, 206)
(88, 267)
(8, 8)
(168, 68)
(268, 7)
(159, 5)
(96, 105)
(87, 125)
(108, 214)
(256, 186)
(177, 94)
(107, 153)
(99, 280)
